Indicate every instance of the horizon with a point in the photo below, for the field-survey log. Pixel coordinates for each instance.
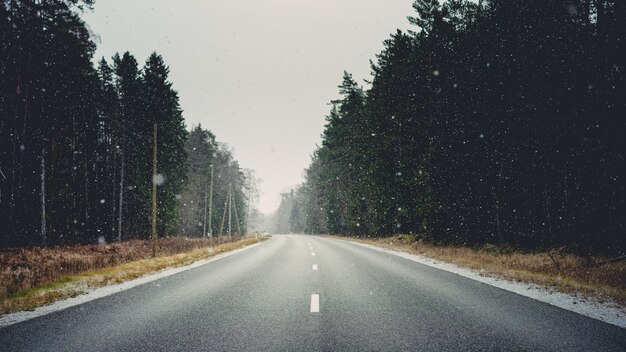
(260, 86)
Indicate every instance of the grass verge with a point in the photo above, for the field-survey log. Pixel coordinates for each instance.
(73, 285)
(555, 270)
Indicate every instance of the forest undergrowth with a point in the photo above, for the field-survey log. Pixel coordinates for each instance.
(32, 277)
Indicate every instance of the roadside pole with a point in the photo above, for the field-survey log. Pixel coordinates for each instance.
(237, 219)
(206, 196)
(211, 205)
(230, 208)
(154, 191)
(249, 215)
(224, 215)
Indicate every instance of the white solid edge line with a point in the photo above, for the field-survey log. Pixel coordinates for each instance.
(315, 303)
(314, 266)
(607, 312)
(18, 317)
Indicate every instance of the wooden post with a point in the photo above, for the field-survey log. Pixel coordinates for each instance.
(230, 208)
(224, 214)
(154, 191)
(211, 205)
(237, 218)
(206, 204)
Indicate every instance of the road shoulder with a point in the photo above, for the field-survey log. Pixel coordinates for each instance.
(96, 293)
(604, 311)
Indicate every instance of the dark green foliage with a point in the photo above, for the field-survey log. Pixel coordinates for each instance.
(46, 57)
(495, 122)
(76, 141)
(203, 152)
(134, 149)
(161, 107)
(201, 148)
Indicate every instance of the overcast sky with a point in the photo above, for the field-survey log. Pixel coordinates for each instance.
(258, 73)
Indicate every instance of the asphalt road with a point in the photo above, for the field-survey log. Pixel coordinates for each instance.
(264, 299)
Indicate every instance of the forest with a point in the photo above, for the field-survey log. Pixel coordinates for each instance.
(76, 139)
(493, 122)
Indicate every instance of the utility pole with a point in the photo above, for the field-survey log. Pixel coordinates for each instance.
(154, 191)
(224, 215)
(206, 191)
(230, 208)
(237, 222)
(210, 233)
(249, 214)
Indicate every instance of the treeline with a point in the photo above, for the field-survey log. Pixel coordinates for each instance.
(208, 159)
(497, 121)
(76, 140)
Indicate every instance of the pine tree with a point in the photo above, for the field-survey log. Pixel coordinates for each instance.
(495, 122)
(162, 108)
(200, 148)
(134, 156)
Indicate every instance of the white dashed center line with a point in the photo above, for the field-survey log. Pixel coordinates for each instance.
(314, 266)
(315, 303)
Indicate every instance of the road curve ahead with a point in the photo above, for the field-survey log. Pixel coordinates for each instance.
(306, 293)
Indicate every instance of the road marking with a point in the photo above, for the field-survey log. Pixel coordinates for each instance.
(314, 266)
(313, 254)
(14, 318)
(315, 303)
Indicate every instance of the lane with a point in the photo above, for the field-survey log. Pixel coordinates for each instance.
(378, 301)
(280, 297)
(254, 300)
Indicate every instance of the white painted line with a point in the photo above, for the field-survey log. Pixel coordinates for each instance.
(314, 266)
(315, 303)
(607, 312)
(18, 317)
(313, 254)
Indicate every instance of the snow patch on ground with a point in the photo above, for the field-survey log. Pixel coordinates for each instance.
(18, 317)
(607, 312)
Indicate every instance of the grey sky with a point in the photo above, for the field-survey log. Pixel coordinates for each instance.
(259, 74)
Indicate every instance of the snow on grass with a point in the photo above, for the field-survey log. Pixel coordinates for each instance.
(14, 318)
(604, 311)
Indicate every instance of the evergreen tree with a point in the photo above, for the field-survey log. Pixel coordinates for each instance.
(494, 122)
(49, 82)
(162, 108)
(105, 182)
(135, 138)
(201, 149)
(76, 141)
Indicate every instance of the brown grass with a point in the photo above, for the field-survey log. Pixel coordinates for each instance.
(571, 273)
(33, 277)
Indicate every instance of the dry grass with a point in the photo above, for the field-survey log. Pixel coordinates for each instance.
(39, 276)
(566, 273)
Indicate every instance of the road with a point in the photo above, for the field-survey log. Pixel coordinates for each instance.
(264, 299)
